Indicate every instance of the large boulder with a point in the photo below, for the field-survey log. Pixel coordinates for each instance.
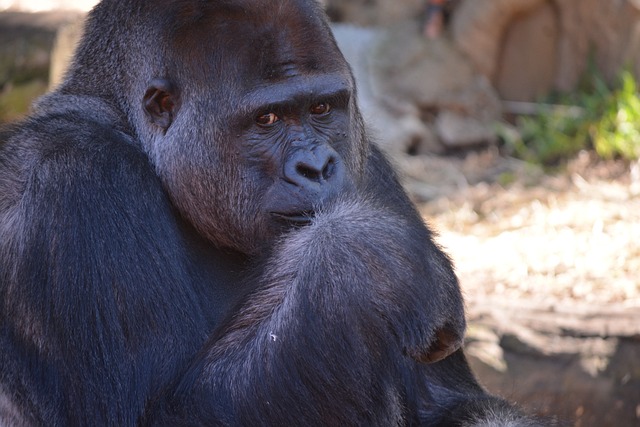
(395, 121)
(418, 96)
(496, 35)
(525, 48)
(458, 104)
(478, 27)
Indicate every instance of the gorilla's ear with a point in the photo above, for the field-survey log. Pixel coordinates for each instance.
(161, 102)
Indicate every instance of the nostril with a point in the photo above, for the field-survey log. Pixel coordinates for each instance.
(317, 166)
(328, 169)
(317, 174)
(308, 172)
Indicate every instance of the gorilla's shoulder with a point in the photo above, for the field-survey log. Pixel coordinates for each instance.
(83, 131)
(73, 146)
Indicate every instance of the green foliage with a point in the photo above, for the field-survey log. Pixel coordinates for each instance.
(617, 132)
(596, 116)
(15, 100)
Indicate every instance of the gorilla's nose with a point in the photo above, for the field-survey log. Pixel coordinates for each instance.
(317, 169)
(312, 177)
(315, 166)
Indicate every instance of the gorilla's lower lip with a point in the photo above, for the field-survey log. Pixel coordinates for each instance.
(295, 218)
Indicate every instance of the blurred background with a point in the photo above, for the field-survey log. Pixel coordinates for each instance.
(516, 127)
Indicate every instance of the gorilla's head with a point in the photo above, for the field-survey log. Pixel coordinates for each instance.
(251, 123)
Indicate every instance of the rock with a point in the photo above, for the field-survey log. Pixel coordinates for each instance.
(428, 177)
(459, 131)
(425, 72)
(478, 27)
(434, 76)
(496, 37)
(575, 361)
(595, 383)
(607, 31)
(395, 123)
(528, 65)
(482, 343)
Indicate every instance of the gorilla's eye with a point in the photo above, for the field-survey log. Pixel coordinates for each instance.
(267, 119)
(320, 108)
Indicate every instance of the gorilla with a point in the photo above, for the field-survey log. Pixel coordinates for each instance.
(195, 229)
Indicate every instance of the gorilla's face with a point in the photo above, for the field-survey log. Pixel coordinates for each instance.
(293, 138)
(258, 129)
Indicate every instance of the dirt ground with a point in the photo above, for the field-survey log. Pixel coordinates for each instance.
(572, 237)
(549, 265)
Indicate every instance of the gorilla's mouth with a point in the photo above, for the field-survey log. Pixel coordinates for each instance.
(294, 218)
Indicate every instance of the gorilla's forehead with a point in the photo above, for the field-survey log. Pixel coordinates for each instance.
(296, 90)
(266, 40)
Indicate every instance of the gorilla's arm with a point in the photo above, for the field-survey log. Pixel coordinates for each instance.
(98, 305)
(454, 398)
(322, 342)
(448, 392)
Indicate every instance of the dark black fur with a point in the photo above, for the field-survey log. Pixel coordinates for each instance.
(170, 254)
